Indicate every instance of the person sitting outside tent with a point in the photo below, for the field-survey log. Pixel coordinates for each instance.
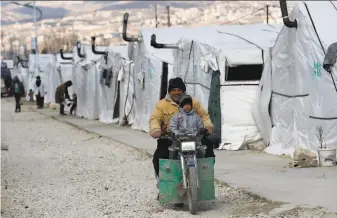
(18, 90)
(61, 94)
(39, 90)
(31, 93)
(162, 114)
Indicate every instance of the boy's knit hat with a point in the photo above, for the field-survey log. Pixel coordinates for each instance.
(185, 99)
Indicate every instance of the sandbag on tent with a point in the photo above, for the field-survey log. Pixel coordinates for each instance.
(296, 95)
(227, 62)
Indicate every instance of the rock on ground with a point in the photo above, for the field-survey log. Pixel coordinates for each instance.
(55, 170)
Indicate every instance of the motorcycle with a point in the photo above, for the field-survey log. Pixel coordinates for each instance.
(187, 176)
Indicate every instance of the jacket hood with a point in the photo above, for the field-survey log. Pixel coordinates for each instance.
(68, 83)
(16, 79)
(181, 110)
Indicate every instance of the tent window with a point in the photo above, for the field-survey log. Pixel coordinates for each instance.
(244, 72)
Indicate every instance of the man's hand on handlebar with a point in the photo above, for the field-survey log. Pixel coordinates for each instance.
(156, 134)
(209, 129)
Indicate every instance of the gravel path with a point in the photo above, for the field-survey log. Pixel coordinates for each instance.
(54, 170)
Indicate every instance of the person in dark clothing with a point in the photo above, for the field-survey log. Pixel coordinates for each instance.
(73, 104)
(18, 90)
(7, 77)
(61, 94)
(40, 91)
(162, 114)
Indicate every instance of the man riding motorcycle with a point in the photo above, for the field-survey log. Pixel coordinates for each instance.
(161, 115)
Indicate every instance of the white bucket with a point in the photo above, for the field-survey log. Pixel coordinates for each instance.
(327, 157)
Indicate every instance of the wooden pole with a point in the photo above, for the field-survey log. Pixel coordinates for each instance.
(168, 16)
(155, 11)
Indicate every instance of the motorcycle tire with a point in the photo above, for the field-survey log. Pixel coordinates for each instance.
(192, 194)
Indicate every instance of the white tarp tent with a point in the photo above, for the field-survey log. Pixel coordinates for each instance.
(109, 69)
(151, 65)
(123, 68)
(59, 72)
(96, 83)
(86, 82)
(147, 69)
(219, 49)
(45, 63)
(296, 94)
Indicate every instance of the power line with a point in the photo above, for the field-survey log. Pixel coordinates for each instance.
(269, 14)
(243, 16)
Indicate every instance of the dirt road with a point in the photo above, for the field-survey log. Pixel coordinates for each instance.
(54, 170)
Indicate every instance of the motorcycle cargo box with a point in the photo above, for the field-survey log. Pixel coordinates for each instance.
(170, 176)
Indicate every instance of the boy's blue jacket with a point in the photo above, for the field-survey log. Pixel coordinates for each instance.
(184, 121)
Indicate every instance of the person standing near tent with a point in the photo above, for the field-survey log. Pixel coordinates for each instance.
(61, 94)
(162, 114)
(39, 90)
(18, 90)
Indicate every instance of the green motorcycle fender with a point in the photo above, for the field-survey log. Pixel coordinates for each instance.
(170, 176)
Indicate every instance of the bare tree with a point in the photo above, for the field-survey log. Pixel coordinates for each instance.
(3, 50)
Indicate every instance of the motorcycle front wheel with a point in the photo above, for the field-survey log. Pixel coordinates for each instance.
(192, 194)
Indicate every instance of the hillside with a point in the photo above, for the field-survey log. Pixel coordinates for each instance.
(79, 20)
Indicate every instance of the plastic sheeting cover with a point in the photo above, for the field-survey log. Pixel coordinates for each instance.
(86, 79)
(214, 50)
(108, 95)
(297, 71)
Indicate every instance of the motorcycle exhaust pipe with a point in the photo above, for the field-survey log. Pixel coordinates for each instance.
(161, 46)
(79, 50)
(125, 26)
(284, 10)
(62, 56)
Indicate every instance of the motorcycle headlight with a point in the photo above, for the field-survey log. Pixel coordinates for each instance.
(188, 146)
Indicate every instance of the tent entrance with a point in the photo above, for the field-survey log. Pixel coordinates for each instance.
(242, 73)
(164, 81)
(214, 104)
(116, 108)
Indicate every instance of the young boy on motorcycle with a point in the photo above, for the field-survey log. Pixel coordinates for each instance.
(186, 120)
(162, 114)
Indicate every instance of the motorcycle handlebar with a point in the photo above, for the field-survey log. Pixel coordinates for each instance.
(172, 136)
